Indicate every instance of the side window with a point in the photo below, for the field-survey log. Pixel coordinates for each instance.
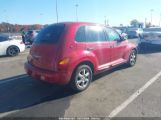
(112, 35)
(95, 34)
(80, 35)
(2, 38)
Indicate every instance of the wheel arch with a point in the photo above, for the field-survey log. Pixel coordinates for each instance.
(86, 62)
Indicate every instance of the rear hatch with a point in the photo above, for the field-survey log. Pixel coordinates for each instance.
(45, 47)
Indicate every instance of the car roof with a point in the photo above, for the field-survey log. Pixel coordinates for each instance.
(79, 23)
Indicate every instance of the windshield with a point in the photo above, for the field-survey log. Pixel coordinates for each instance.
(50, 34)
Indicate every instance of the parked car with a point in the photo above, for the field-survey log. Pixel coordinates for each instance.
(30, 36)
(11, 45)
(71, 53)
(134, 32)
(151, 36)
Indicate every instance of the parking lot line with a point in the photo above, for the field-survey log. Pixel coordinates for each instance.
(9, 60)
(7, 113)
(134, 96)
(9, 80)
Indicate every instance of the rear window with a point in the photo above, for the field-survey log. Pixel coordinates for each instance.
(50, 34)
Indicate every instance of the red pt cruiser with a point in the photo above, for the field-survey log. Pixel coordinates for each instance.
(71, 53)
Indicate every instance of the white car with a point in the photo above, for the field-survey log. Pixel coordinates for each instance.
(134, 32)
(11, 46)
(151, 36)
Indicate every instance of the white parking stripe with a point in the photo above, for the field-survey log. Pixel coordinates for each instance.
(13, 59)
(7, 113)
(9, 80)
(134, 96)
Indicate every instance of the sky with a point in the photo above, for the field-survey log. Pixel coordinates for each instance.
(44, 11)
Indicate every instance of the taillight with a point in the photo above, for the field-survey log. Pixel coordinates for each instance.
(62, 64)
(64, 61)
(21, 42)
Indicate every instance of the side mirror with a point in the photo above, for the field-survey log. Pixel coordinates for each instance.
(124, 36)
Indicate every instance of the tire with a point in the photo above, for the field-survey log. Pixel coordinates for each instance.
(81, 78)
(13, 51)
(132, 58)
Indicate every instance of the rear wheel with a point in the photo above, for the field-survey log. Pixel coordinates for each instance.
(81, 78)
(13, 51)
(132, 58)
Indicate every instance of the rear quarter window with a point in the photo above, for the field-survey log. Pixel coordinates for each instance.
(80, 34)
(50, 34)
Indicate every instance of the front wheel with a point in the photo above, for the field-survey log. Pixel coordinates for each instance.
(132, 58)
(81, 78)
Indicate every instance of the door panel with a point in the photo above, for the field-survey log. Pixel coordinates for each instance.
(101, 51)
(93, 39)
(117, 50)
(117, 46)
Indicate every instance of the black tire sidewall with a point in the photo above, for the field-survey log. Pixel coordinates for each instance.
(8, 49)
(129, 62)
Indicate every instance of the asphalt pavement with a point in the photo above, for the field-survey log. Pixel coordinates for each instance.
(122, 92)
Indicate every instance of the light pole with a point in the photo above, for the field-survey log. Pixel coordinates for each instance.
(41, 14)
(145, 22)
(76, 12)
(160, 20)
(6, 17)
(105, 21)
(152, 10)
(57, 11)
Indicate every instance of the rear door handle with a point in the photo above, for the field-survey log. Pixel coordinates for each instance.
(89, 49)
(112, 46)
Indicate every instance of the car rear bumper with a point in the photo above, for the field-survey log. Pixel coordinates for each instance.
(60, 78)
(22, 47)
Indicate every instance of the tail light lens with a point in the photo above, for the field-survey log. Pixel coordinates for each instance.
(64, 61)
(21, 42)
(62, 64)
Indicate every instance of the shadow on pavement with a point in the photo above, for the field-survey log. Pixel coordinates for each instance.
(23, 92)
(4, 56)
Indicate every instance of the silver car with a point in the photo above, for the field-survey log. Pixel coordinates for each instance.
(151, 36)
